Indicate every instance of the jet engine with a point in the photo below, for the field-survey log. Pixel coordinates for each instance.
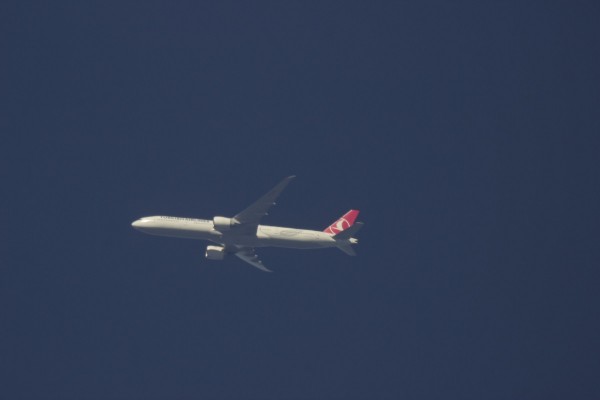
(222, 224)
(215, 252)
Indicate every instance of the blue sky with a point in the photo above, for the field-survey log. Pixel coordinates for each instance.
(466, 133)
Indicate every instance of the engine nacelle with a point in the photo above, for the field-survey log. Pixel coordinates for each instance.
(215, 252)
(223, 224)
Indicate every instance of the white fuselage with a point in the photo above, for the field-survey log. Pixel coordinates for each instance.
(192, 228)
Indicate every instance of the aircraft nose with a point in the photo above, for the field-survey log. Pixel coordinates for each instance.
(136, 223)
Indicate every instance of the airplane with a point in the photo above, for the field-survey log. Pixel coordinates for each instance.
(241, 234)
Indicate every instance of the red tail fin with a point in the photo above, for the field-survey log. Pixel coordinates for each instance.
(345, 222)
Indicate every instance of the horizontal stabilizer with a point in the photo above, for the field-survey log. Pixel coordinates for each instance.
(347, 248)
(348, 233)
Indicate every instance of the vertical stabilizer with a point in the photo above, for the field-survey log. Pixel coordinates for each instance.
(343, 223)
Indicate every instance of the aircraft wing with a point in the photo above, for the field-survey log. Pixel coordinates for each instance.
(252, 215)
(249, 255)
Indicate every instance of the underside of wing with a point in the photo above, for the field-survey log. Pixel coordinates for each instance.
(251, 216)
(249, 255)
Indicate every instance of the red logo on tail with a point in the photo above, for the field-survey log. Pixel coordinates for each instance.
(345, 222)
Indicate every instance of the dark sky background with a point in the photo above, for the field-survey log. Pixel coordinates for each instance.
(467, 133)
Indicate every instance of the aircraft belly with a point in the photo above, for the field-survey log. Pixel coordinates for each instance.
(185, 231)
(292, 244)
(181, 233)
(246, 241)
(291, 238)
